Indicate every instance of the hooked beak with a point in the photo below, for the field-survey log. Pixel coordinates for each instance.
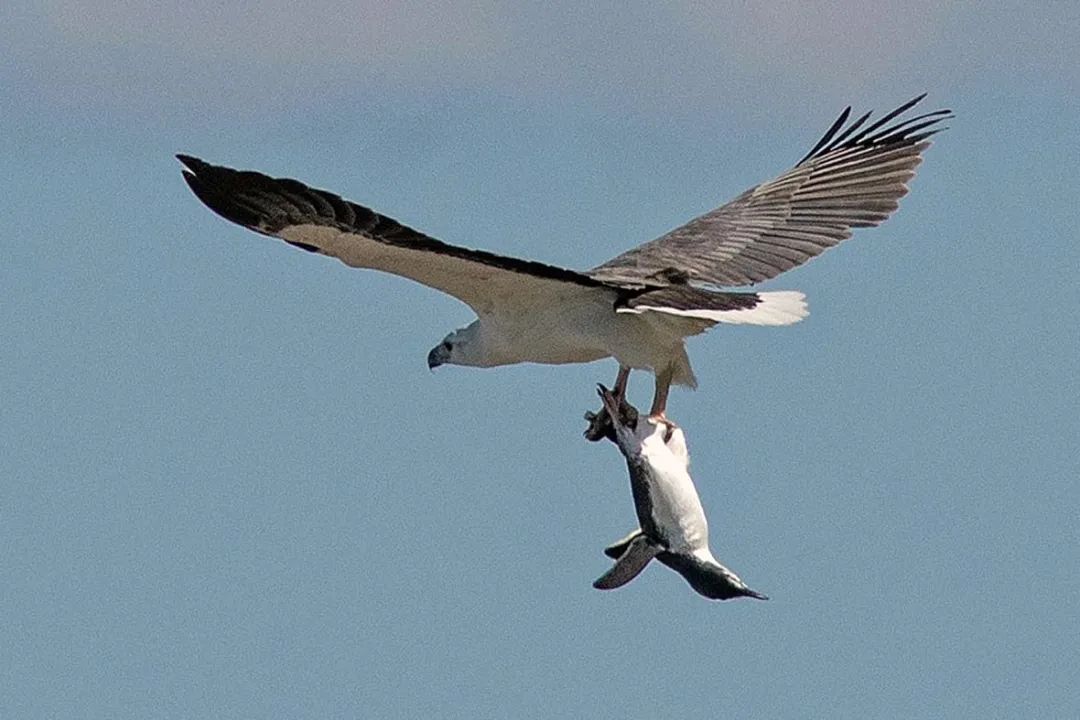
(437, 357)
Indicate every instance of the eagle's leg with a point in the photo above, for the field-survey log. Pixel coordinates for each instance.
(663, 385)
(600, 426)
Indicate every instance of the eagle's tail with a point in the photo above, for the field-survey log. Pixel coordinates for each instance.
(734, 308)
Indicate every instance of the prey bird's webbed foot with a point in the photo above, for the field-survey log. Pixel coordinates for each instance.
(600, 426)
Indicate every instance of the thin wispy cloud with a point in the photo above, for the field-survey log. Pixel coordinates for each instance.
(329, 34)
(670, 57)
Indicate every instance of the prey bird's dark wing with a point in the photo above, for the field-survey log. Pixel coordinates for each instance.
(629, 565)
(853, 177)
(322, 222)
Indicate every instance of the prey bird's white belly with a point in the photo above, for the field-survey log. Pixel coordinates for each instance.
(675, 506)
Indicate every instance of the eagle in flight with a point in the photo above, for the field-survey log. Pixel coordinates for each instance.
(637, 307)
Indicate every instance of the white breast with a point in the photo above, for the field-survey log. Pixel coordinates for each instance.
(580, 327)
(676, 507)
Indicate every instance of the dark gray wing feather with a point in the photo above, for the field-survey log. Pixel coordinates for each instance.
(616, 549)
(633, 560)
(850, 179)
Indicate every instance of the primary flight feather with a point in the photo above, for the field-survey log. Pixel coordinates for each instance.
(638, 307)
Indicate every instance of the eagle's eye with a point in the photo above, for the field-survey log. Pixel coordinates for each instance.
(446, 345)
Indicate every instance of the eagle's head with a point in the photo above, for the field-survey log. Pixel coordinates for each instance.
(464, 346)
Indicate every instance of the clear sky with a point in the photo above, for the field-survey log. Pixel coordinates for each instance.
(230, 487)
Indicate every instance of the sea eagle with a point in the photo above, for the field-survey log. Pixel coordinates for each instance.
(638, 307)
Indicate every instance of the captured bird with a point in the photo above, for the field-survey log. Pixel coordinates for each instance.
(638, 307)
(672, 524)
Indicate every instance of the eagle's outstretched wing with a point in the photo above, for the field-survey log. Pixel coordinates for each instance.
(321, 222)
(849, 179)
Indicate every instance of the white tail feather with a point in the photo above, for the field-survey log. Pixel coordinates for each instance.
(785, 307)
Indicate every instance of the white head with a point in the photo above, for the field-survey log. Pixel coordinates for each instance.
(464, 346)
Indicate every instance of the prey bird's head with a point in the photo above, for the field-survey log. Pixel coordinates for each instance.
(464, 346)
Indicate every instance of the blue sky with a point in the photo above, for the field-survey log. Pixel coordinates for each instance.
(231, 487)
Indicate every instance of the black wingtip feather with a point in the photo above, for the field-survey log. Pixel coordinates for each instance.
(192, 164)
(211, 184)
(850, 129)
(904, 132)
(916, 139)
(889, 116)
(828, 135)
(901, 129)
